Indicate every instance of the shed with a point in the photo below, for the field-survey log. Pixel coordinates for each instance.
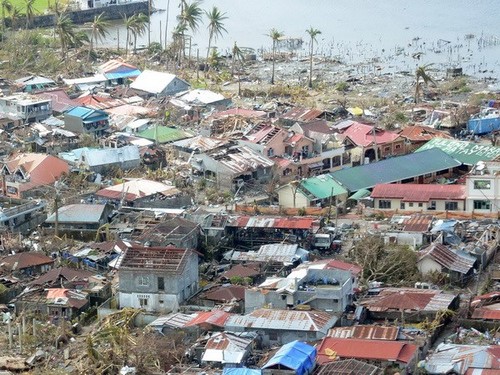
(241, 371)
(295, 356)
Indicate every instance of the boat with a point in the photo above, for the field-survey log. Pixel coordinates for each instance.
(486, 121)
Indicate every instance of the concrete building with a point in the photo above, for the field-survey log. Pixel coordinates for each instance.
(28, 108)
(483, 187)
(157, 278)
(86, 121)
(152, 83)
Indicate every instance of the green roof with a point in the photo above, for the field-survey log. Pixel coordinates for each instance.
(163, 134)
(468, 153)
(360, 194)
(322, 187)
(394, 169)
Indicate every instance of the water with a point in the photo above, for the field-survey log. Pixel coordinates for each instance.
(390, 33)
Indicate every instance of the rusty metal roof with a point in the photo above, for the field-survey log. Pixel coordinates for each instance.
(366, 332)
(404, 299)
(418, 223)
(448, 259)
(20, 261)
(349, 367)
(302, 114)
(226, 293)
(167, 259)
(215, 317)
(287, 320)
(419, 192)
(272, 222)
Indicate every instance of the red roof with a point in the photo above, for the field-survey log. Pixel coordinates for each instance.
(420, 133)
(216, 318)
(338, 264)
(303, 114)
(272, 222)
(60, 100)
(419, 192)
(362, 135)
(332, 349)
(486, 314)
(226, 293)
(241, 271)
(20, 261)
(418, 223)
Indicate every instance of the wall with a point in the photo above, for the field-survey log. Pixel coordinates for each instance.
(427, 265)
(286, 198)
(112, 12)
(492, 194)
(73, 124)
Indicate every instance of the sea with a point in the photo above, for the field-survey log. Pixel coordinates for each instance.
(394, 35)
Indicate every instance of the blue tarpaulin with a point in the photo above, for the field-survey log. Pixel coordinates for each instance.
(241, 371)
(296, 356)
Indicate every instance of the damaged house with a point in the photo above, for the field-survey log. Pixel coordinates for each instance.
(157, 278)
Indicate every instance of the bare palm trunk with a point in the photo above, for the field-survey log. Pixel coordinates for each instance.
(208, 53)
(311, 64)
(274, 58)
(166, 24)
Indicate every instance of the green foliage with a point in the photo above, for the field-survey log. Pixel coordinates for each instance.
(342, 86)
(155, 48)
(302, 211)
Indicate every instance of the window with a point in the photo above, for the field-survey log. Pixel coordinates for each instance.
(482, 205)
(143, 302)
(143, 280)
(482, 184)
(384, 204)
(432, 205)
(420, 204)
(161, 283)
(402, 205)
(451, 206)
(270, 152)
(410, 204)
(427, 175)
(336, 161)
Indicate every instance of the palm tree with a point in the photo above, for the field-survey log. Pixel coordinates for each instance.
(237, 56)
(140, 25)
(312, 33)
(275, 35)
(177, 36)
(190, 17)
(15, 14)
(215, 27)
(422, 74)
(30, 11)
(99, 29)
(6, 6)
(66, 31)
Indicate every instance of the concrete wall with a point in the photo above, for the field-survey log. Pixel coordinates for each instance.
(419, 206)
(112, 12)
(427, 265)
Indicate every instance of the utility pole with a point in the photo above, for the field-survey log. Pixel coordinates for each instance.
(375, 147)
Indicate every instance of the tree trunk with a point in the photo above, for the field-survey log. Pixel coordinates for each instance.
(208, 52)
(274, 58)
(311, 64)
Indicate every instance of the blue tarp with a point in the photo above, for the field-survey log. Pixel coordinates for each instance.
(296, 356)
(241, 371)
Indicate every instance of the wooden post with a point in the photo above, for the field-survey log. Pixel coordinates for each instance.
(9, 329)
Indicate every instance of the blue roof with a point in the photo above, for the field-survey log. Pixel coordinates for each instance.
(123, 74)
(84, 112)
(241, 371)
(296, 356)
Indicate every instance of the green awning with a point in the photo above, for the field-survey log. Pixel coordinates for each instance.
(360, 194)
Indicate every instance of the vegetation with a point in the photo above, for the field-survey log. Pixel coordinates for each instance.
(275, 35)
(215, 28)
(99, 30)
(388, 263)
(313, 33)
(422, 76)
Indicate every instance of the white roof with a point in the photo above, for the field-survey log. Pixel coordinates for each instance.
(198, 96)
(85, 80)
(141, 187)
(152, 81)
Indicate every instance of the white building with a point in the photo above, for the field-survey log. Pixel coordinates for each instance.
(483, 187)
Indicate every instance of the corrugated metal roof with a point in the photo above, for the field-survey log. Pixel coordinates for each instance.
(287, 320)
(485, 313)
(418, 223)
(302, 114)
(23, 260)
(198, 96)
(226, 347)
(448, 358)
(241, 159)
(362, 135)
(332, 349)
(153, 82)
(321, 187)
(167, 259)
(284, 253)
(174, 320)
(272, 222)
(200, 143)
(349, 367)
(366, 332)
(448, 258)
(468, 153)
(163, 134)
(78, 213)
(135, 188)
(409, 299)
(394, 169)
(421, 133)
(419, 192)
(215, 317)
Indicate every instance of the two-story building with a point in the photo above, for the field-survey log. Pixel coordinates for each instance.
(86, 120)
(321, 289)
(28, 108)
(157, 278)
(483, 187)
